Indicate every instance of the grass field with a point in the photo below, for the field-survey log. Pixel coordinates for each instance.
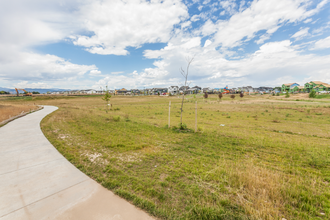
(257, 157)
(8, 111)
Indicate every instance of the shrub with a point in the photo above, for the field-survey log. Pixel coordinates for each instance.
(183, 126)
(287, 95)
(232, 96)
(206, 95)
(312, 94)
(116, 118)
(278, 94)
(241, 95)
(220, 95)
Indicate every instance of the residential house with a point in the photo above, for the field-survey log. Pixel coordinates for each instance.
(148, 91)
(87, 91)
(183, 89)
(288, 87)
(197, 89)
(249, 89)
(122, 91)
(135, 91)
(299, 89)
(207, 89)
(190, 91)
(159, 91)
(317, 85)
(173, 90)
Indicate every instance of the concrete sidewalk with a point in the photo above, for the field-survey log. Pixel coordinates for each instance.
(37, 182)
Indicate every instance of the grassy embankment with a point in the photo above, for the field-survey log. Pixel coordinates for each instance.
(270, 160)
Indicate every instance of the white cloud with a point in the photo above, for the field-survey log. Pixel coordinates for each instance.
(271, 65)
(26, 84)
(25, 24)
(229, 6)
(261, 15)
(322, 44)
(267, 35)
(301, 34)
(30, 66)
(320, 30)
(94, 72)
(308, 20)
(117, 24)
(195, 18)
(207, 43)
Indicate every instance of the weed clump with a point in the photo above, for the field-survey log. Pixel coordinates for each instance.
(116, 118)
(182, 128)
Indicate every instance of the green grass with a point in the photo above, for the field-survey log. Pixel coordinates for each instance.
(323, 96)
(269, 159)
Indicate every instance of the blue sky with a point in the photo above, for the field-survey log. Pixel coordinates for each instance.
(81, 44)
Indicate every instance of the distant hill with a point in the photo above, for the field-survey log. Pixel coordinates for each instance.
(34, 90)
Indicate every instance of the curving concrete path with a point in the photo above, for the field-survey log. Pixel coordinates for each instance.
(37, 182)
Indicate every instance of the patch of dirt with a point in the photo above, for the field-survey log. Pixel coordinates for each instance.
(163, 176)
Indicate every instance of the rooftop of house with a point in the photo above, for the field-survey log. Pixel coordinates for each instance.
(289, 84)
(319, 83)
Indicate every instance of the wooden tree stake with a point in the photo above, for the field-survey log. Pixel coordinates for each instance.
(169, 115)
(196, 117)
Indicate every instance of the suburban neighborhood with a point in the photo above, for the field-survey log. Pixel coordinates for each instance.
(317, 86)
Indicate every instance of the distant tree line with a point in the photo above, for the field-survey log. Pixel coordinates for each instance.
(4, 93)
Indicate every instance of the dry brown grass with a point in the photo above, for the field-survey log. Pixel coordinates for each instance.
(9, 111)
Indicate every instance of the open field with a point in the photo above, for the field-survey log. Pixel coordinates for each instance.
(8, 111)
(257, 157)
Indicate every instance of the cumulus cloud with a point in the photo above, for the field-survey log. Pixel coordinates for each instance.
(322, 44)
(116, 25)
(271, 64)
(25, 24)
(38, 67)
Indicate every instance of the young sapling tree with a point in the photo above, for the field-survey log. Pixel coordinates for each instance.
(106, 98)
(185, 76)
